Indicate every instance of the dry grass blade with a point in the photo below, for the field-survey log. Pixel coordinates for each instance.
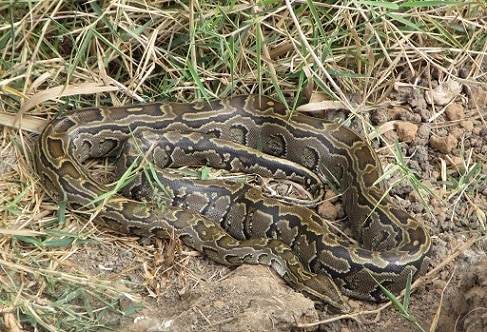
(63, 91)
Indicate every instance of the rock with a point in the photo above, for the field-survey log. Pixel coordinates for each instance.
(328, 210)
(443, 93)
(443, 144)
(455, 112)
(467, 125)
(406, 131)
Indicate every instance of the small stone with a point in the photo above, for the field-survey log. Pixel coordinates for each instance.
(406, 131)
(331, 196)
(443, 144)
(424, 130)
(455, 111)
(443, 93)
(456, 131)
(327, 210)
(478, 96)
(467, 125)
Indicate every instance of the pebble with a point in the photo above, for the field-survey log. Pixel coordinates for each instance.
(454, 112)
(443, 144)
(406, 131)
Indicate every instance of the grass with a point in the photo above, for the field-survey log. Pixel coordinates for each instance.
(402, 307)
(61, 55)
(37, 293)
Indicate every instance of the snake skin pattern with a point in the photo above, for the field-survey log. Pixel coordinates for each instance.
(231, 222)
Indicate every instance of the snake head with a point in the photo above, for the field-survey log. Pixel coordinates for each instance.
(324, 291)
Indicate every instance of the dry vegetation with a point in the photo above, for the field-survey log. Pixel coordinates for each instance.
(62, 55)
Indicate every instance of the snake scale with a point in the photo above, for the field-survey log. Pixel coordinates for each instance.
(230, 222)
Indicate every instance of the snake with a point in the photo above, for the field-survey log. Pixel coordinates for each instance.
(233, 223)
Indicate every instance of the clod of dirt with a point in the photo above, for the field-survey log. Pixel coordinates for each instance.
(455, 112)
(467, 125)
(406, 131)
(443, 144)
(443, 93)
(477, 96)
(328, 210)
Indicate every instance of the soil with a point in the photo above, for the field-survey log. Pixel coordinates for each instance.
(441, 143)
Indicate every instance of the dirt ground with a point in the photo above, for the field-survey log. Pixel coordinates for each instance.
(196, 294)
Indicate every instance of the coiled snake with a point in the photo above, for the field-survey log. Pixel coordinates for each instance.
(230, 222)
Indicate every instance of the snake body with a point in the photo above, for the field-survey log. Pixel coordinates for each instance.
(230, 222)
